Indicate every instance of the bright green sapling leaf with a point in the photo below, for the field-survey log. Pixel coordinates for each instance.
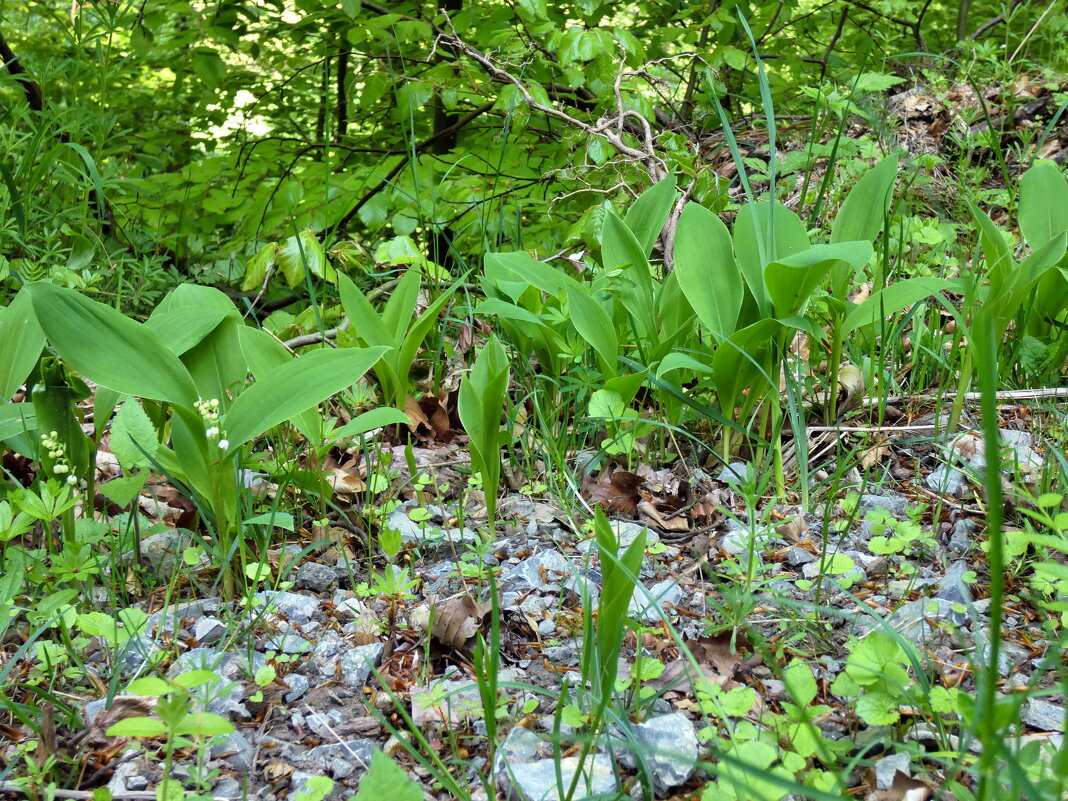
(647, 215)
(386, 779)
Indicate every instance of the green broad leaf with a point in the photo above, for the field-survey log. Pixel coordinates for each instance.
(1043, 203)
(257, 268)
(217, 364)
(122, 490)
(292, 388)
(864, 210)
(368, 421)
(203, 724)
(996, 249)
(137, 727)
(647, 215)
(188, 314)
(386, 779)
(150, 686)
(607, 405)
(16, 419)
(195, 678)
(170, 790)
(792, 280)
(800, 683)
(877, 708)
(620, 249)
(707, 272)
(264, 353)
(23, 340)
(303, 253)
(535, 9)
(595, 326)
(682, 361)
(134, 440)
(109, 348)
(738, 702)
(892, 299)
(765, 232)
(282, 520)
(480, 406)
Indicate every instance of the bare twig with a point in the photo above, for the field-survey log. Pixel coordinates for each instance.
(1009, 394)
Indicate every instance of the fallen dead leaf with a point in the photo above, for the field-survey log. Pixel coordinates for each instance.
(617, 491)
(454, 622)
(904, 788)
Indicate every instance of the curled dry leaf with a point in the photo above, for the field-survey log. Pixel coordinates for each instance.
(793, 530)
(618, 492)
(453, 622)
(661, 519)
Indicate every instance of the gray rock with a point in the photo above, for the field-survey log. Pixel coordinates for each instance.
(92, 710)
(136, 783)
(735, 474)
(298, 685)
(546, 626)
(649, 608)
(1043, 715)
(325, 654)
(948, 480)
(324, 723)
(445, 702)
(163, 552)
(315, 577)
(342, 768)
(125, 774)
(538, 572)
(410, 531)
(287, 640)
(672, 749)
(536, 781)
(166, 617)
(357, 663)
(137, 655)
(961, 540)
(208, 630)
(195, 659)
(888, 766)
(298, 783)
(521, 745)
(227, 787)
(627, 532)
(297, 608)
(953, 589)
(235, 749)
(796, 557)
(915, 621)
(562, 655)
(895, 504)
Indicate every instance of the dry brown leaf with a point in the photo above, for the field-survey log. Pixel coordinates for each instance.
(648, 509)
(454, 622)
(793, 530)
(714, 659)
(872, 456)
(904, 788)
(617, 491)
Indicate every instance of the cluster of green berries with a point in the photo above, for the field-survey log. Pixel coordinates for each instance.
(209, 411)
(57, 452)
